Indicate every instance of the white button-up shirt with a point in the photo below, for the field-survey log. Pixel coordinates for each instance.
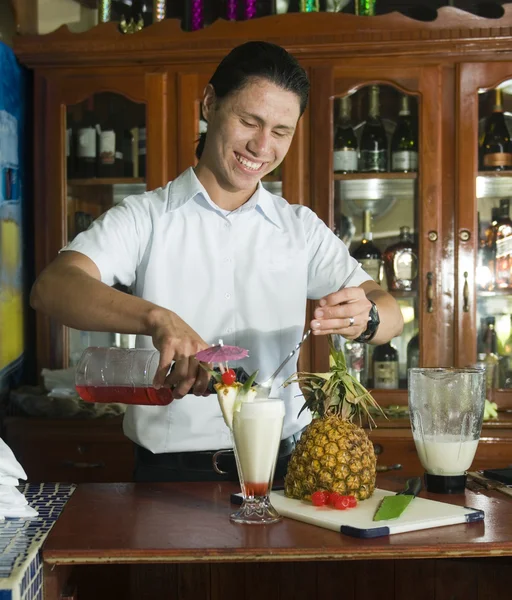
(243, 276)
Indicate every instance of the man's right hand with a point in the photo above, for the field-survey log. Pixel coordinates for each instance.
(177, 341)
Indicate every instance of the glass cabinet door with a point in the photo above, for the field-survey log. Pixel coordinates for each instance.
(378, 207)
(92, 150)
(487, 287)
(105, 162)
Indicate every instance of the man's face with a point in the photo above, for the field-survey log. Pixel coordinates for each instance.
(249, 132)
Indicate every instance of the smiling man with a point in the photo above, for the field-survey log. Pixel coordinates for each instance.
(214, 255)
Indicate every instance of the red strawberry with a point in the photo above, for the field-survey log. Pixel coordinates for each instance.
(342, 502)
(320, 498)
(333, 498)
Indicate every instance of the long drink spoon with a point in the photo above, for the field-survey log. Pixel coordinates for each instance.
(266, 385)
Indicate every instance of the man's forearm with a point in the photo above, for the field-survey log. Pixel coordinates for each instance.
(86, 303)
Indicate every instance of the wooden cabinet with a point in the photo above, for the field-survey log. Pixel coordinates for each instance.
(71, 450)
(443, 66)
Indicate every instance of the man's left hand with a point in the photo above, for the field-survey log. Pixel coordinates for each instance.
(345, 313)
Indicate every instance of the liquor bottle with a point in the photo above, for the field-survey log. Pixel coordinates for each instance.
(127, 150)
(345, 140)
(70, 147)
(367, 253)
(110, 156)
(373, 153)
(503, 274)
(497, 146)
(413, 352)
(142, 152)
(485, 261)
(385, 367)
(401, 263)
(404, 143)
(87, 143)
(489, 342)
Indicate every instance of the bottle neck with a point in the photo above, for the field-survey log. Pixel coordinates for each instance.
(374, 110)
(404, 107)
(498, 107)
(345, 108)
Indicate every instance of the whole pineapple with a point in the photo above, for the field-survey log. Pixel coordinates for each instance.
(333, 453)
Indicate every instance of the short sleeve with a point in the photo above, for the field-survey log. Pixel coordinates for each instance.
(115, 241)
(329, 261)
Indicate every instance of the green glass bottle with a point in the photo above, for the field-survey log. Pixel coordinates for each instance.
(365, 8)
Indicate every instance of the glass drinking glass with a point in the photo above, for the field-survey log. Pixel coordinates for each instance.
(446, 410)
(257, 429)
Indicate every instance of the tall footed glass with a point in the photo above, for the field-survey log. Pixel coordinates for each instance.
(257, 429)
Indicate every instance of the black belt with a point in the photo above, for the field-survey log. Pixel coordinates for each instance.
(221, 461)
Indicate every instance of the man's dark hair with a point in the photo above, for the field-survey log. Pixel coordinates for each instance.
(258, 60)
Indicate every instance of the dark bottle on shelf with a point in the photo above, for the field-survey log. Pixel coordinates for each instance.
(401, 263)
(127, 149)
(142, 152)
(496, 149)
(373, 153)
(367, 252)
(110, 155)
(404, 143)
(70, 147)
(385, 367)
(503, 273)
(489, 337)
(413, 352)
(87, 143)
(345, 141)
(485, 259)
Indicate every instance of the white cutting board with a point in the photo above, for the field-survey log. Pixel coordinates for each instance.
(358, 521)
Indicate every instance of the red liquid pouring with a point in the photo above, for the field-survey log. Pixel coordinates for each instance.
(125, 394)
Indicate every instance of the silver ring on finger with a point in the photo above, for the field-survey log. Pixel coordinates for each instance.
(351, 321)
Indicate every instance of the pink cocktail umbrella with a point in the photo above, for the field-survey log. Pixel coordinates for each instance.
(221, 353)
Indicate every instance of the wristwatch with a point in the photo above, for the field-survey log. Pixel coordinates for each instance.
(373, 325)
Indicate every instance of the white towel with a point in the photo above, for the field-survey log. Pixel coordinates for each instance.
(8, 480)
(13, 503)
(8, 463)
(23, 512)
(11, 496)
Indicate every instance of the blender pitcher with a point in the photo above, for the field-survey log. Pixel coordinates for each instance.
(446, 409)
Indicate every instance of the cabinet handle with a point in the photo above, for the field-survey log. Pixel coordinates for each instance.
(377, 448)
(82, 465)
(465, 293)
(430, 293)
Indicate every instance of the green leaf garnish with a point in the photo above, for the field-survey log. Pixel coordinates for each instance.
(248, 384)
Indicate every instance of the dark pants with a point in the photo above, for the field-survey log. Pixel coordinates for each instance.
(199, 466)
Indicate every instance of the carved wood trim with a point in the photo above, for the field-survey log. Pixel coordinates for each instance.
(306, 35)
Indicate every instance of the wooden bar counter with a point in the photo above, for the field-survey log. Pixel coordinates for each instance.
(175, 540)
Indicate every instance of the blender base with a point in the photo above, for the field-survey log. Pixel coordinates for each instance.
(445, 484)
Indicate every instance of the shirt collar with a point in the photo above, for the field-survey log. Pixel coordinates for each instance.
(187, 186)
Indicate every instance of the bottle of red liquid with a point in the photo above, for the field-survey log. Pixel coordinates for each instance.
(126, 375)
(120, 375)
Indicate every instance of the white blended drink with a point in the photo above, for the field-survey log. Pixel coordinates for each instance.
(257, 428)
(449, 456)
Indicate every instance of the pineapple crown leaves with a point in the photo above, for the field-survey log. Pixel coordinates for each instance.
(336, 392)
